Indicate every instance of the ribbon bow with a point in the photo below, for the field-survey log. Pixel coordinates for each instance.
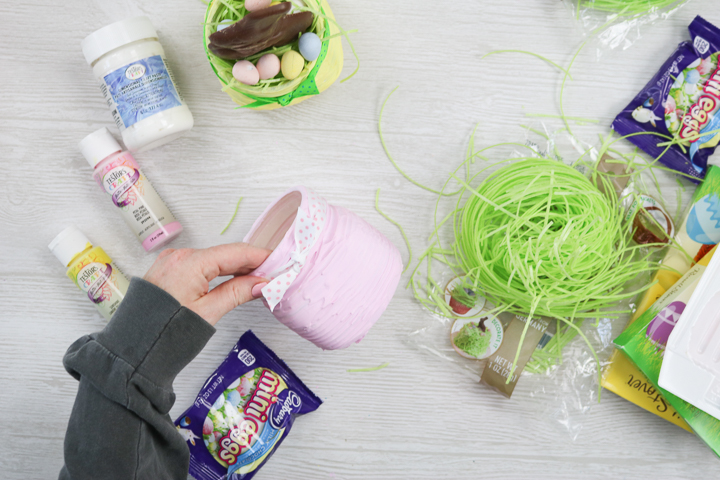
(308, 226)
(306, 88)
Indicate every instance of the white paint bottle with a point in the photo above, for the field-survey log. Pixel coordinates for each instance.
(137, 83)
(119, 176)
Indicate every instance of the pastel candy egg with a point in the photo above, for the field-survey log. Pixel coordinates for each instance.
(292, 65)
(185, 422)
(219, 402)
(268, 66)
(208, 426)
(234, 398)
(254, 5)
(310, 46)
(245, 72)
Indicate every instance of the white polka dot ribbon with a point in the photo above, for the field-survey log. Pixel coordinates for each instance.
(309, 224)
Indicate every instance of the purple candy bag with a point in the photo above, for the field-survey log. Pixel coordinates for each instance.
(681, 100)
(243, 413)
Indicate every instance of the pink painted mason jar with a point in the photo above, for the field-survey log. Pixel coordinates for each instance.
(333, 274)
(119, 176)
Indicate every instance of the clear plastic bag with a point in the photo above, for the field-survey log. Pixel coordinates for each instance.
(563, 391)
(619, 24)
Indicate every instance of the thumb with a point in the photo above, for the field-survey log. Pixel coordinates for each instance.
(225, 297)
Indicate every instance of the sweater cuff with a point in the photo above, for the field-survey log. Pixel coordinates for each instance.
(154, 334)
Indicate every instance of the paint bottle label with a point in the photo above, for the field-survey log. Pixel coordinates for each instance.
(141, 206)
(101, 280)
(139, 90)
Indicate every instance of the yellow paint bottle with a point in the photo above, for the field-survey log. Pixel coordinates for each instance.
(91, 269)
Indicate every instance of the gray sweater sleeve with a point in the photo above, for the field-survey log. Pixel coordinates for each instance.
(119, 427)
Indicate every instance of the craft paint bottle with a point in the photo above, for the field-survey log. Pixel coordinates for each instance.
(119, 176)
(91, 269)
(137, 83)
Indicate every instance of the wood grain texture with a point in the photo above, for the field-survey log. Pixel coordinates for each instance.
(419, 418)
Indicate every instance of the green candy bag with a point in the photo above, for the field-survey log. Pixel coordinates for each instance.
(644, 341)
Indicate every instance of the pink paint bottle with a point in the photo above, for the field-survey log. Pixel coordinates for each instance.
(120, 177)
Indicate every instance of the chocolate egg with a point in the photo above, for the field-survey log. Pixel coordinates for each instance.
(254, 5)
(310, 46)
(268, 66)
(245, 72)
(185, 421)
(292, 65)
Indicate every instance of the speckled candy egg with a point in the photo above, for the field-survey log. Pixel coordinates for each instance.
(268, 66)
(185, 422)
(245, 72)
(310, 46)
(254, 5)
(292, 65)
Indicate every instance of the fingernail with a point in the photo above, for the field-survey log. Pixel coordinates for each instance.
(257, 290)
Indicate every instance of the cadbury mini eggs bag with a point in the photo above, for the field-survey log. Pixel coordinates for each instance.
(681, 103)
(243, 413)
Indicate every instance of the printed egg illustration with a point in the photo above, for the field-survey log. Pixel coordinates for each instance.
(234, 398)
(208, 426)
(663, 324)
(246, 386)
(692, 90)
(679, 81)
(185, 422)
(706, 66)
(219, 402)
(670, 105)
(703, 223)
(693, 76)
(233, 385)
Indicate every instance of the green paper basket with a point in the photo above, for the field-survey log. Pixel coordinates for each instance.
(316, 77)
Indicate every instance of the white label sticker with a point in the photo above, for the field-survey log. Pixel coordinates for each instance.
(246, 357)
(701, 45)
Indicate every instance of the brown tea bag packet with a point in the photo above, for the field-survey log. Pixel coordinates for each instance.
(499, 366)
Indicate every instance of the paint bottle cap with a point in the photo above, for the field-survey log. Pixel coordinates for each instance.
(99, 145)
(68, 244)
(115, 36)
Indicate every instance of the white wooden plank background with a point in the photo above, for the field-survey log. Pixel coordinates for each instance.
(419, 418)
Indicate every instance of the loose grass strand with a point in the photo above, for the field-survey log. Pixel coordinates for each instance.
(402, 230)
(237, 207)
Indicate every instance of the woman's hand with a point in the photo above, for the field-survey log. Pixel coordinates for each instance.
(186, 274)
